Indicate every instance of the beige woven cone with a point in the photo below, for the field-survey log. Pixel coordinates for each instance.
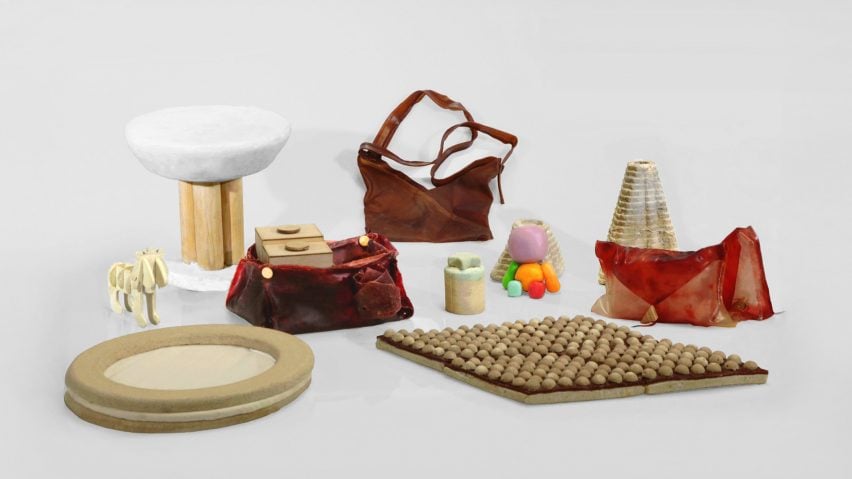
(641, 218)
(554, 255)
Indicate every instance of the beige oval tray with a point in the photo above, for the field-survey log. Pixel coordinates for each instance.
(96, 398)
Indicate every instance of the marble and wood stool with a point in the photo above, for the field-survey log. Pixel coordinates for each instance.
(208, 149)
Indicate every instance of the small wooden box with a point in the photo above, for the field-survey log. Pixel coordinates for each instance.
(316, 254)
(308, 247)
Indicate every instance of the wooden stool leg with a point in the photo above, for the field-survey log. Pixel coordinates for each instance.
(209, 242)
(187, 222)
(232, 221)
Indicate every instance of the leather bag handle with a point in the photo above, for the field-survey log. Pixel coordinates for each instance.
(379, 146)
(499, 135)
(389, 127)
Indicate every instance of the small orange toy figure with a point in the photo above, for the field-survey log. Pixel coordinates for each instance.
(528, 271)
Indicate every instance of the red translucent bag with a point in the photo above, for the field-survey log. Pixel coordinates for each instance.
(362, 288)
(715, 286)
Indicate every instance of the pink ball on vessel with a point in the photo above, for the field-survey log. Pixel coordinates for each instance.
(528, 244)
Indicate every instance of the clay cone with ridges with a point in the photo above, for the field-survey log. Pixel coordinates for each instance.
(554, 255)
(641, 218)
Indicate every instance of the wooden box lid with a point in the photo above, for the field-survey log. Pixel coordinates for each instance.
(287, 232)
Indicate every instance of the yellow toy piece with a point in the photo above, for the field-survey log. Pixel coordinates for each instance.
(527, 273)
(551, 281)
(138, 279)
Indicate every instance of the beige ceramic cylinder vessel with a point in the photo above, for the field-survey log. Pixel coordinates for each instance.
(464, 284)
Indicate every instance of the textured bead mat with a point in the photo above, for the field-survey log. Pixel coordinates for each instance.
(566, 360)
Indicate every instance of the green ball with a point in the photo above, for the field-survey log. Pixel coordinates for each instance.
(510, 274)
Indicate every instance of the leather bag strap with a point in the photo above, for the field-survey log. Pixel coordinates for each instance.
(389, 127)
(499, 135)
(379, 146)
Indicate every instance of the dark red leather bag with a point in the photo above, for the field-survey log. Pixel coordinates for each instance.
(363, 287)
(456, 209)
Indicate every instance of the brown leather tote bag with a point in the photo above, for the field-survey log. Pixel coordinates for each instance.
(456, 208)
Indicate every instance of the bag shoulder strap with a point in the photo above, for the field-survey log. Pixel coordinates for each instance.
(474, 127)
(379, 146)
(380, 151)
(389, 127)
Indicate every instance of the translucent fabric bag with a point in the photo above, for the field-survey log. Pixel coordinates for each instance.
(715, 286)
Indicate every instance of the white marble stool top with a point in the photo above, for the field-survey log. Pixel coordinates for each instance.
(207, 143)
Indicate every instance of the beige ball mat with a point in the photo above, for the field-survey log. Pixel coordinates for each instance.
(187, 378)
(569, 359)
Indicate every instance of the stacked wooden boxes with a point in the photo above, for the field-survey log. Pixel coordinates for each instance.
(301, 245)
